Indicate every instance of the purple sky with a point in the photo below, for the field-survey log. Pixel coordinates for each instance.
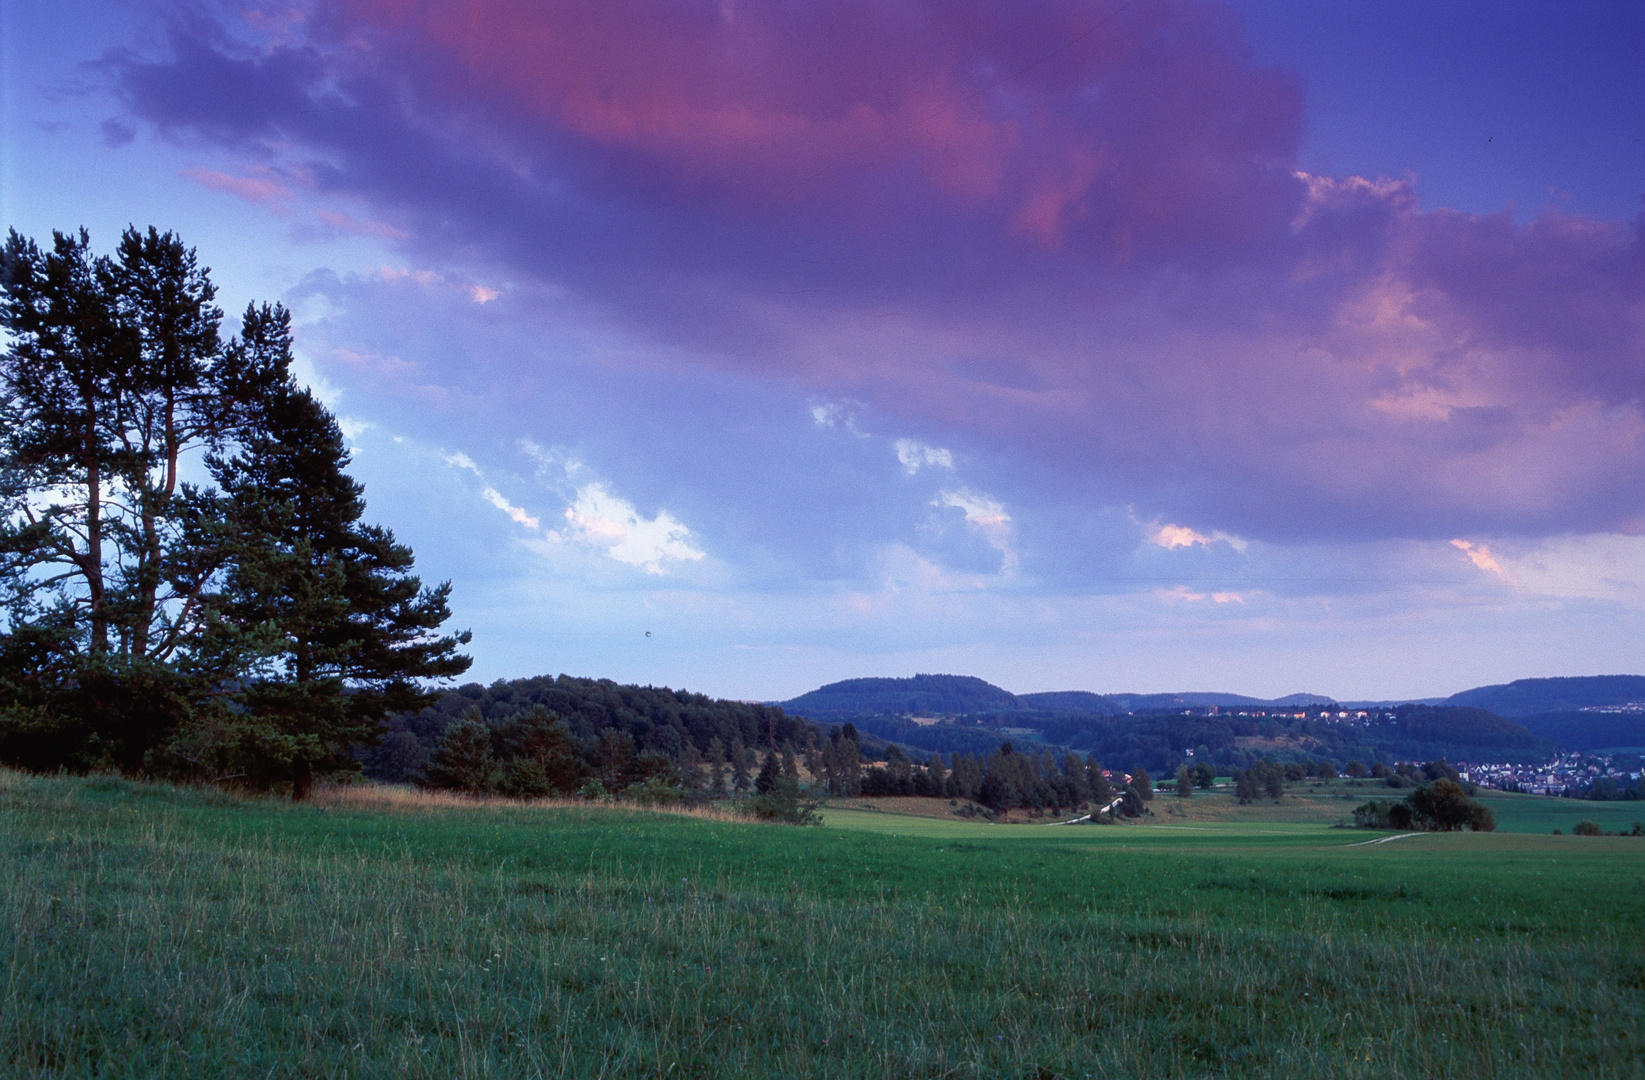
(1261, 346)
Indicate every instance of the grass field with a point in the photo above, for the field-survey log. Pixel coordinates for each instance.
(171, 932)
(1323, 802)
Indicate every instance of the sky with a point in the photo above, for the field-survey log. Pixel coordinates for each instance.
(1259, 346)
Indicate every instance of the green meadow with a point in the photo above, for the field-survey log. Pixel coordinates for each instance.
(161, 931)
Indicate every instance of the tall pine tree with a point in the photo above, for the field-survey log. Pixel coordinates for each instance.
(354, 631)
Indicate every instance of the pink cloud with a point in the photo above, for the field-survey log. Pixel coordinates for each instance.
(1115, 121)
(255, 189)
(1074, 231)
(350, 224)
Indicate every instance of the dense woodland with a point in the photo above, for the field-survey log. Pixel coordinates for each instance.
(1159, 742)
(672, 724)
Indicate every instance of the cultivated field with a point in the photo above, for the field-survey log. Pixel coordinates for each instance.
(157, 931)
(1323, 802)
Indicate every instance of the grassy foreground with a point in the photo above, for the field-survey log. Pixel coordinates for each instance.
(156, 931)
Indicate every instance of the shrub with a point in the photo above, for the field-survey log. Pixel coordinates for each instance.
(657, 791)
(1441, 806)
(1372, 815)
(783, 803)
(525, 778)
(1587, 828)
(462, 758)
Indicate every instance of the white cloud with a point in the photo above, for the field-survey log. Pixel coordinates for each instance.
(307, 374)
(914, 454)
(495, 498)
(459, 460)
(597, 518)
(462, 461)
(601, 519)
(1481, 556)
(837, 414)
(988, 517)
(482, 295)
(1172, 537)
(352, 427)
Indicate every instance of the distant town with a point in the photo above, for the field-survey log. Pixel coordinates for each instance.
(1566, 774)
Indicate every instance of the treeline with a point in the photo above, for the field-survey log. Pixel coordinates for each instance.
(690, 729)
(534, 754)
(1159, 742)
(1443, 806)
(1005, 779)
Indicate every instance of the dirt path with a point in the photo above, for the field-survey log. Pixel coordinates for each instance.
(1385, 839)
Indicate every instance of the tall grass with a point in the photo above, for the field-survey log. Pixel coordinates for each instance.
(164, 932)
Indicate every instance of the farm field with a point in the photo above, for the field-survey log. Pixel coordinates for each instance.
(1315, 802)
(177, 932)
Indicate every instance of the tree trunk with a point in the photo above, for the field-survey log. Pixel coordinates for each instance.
(94, 541)
(302, 779)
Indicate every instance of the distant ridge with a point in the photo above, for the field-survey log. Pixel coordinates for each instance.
(1527, 697)
(1083, 701)
(1198, 699)
(958, 695)
(921, 695)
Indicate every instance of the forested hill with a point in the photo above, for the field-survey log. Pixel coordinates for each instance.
(655, 718)
(1072, 701)
(1527, 697)
(1161, 741)
(965, 695)
(922, 695)
(1456, 730)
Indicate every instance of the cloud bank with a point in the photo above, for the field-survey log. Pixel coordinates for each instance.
(1076, 234)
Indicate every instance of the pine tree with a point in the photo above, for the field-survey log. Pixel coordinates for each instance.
(616, 759)
(463, 757)
(1101, 790)
(540, 737)
(770, 773)
(739, 764)
(716, 768)
(355, 628)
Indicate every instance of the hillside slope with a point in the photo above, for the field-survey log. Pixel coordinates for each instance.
(922, 695)
(1589, 731)
(1527, 697)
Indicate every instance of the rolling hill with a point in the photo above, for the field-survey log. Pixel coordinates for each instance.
(1528, 697)
(1583, 713)
(963, 695)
